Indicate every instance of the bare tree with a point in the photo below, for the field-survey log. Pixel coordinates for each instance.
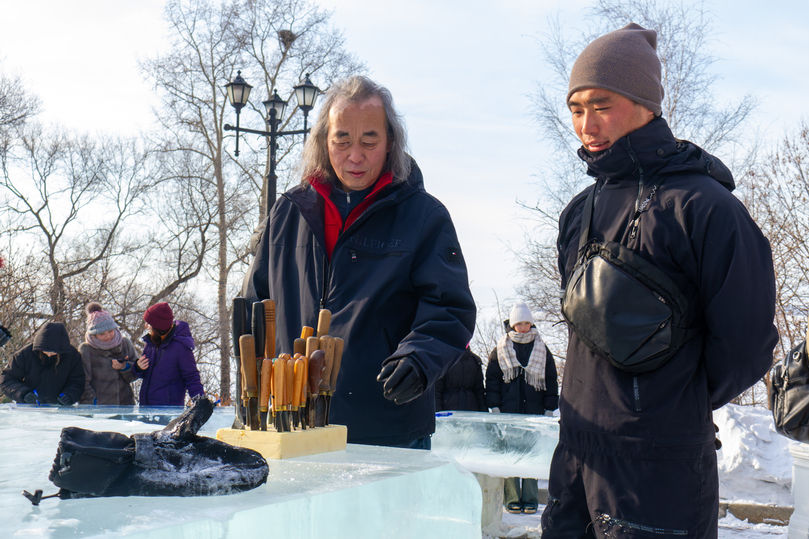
(17, 103)
(684, 33)
(66, 193)
(777, 196)
(284, 40)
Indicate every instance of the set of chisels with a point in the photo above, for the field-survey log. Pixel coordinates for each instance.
(291, 390)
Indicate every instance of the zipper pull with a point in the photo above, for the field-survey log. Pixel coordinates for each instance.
(348, 197)
(634, 231)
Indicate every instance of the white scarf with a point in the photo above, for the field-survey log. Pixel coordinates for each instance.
(507, 358)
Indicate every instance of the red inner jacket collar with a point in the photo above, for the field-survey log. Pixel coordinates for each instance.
(333, 221)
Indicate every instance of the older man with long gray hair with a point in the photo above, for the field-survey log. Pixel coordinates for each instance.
(362, 238)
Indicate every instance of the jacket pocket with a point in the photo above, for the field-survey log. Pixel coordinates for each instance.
(551, 511)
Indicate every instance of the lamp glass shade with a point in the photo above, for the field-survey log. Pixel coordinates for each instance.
(275, 103)
(238, 91)
(306, 94)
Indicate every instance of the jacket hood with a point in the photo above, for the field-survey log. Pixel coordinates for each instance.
(653, 150)
(52, 337)
(181, 334)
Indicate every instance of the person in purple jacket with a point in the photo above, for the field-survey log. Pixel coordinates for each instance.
(167, 366)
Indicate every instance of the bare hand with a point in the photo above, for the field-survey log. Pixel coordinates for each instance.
(143, 363)
(118, 365)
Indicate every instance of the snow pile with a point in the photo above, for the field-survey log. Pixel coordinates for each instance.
(754, 463)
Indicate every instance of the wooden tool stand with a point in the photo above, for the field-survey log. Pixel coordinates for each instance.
(285, 445)
(286, 399)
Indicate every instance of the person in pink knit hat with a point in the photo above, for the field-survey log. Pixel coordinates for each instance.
(167, 366)
(107, 357)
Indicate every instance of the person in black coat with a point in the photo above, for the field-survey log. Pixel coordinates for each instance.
(461, 388)
(47, 371)
(521, 379)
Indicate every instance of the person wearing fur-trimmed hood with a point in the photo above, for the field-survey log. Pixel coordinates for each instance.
(521, 379)
(107, 357)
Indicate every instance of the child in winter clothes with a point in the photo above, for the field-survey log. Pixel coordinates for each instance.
(521, 379)
(47, 371)
(107, 357)
(167, 365)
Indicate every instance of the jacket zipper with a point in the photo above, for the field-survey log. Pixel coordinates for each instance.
(636, 389)
(326, 267)
(610, 521)
(638, 207)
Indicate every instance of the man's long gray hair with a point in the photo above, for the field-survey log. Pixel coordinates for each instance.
(315, 159)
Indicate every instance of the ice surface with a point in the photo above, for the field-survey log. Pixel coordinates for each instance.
(360, 492)
(499, 445)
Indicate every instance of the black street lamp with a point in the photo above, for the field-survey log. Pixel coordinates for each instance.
(238, 91)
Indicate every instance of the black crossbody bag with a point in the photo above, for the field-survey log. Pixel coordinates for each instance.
(621, 306)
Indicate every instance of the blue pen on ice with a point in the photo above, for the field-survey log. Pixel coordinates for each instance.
(443, 414)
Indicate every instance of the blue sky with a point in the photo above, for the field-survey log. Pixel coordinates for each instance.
(460, 72)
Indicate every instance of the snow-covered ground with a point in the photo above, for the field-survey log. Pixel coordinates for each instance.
(755, 466)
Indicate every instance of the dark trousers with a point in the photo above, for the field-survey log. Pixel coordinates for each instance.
(528, 492)
(619, 495)
(425, 443)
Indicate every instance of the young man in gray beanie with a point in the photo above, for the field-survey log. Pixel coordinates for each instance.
(637, 450)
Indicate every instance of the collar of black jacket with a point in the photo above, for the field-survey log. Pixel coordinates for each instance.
(654, 150)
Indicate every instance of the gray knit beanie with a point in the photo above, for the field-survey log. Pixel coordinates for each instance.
(98, 320)
(625, 62)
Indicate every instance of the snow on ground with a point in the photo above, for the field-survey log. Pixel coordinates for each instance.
(755, 466)
(754, 463)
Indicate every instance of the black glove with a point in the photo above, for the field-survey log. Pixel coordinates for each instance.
(403, 380)
(64, 400)
(30, 398)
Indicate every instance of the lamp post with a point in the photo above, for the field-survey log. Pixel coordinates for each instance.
(239, 91)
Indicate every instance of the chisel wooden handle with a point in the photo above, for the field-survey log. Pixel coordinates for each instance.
(289, 383)
(338, 358)
(307, 332)
(312, 344)
(278, 383)
(301, 371)
(299, 346)
(259, 328)
(266, 380)
(323, 322)
(247, 346)
(327, 345)
(317, 362)
(269, 329)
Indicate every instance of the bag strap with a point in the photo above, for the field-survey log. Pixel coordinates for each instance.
(587, 219)
(589, 204)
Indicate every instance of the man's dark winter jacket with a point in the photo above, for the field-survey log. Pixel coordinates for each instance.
(697, 232)
(49, 376)
(518, 396)
(396, 286)
(172, 369)
(461, 388)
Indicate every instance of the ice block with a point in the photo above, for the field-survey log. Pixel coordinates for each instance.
(363, 491)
